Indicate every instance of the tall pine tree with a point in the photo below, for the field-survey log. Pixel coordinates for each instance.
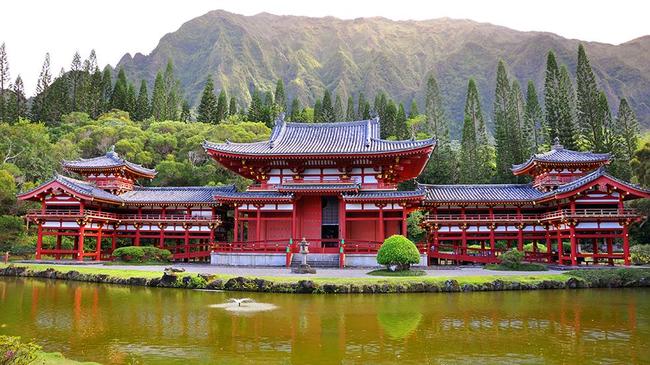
(4, 84)
(339, 114)
(349, 112)
(232, 106)
(280, 97)
(142, 108)
(159, 98)
(534, 118)
(476, 163)
(296, 108)
(503, 126)
(207, 112)
(327, 109)
(120, 97)
(587, 109)
(39, 106)
(567, 131)
(222, 106)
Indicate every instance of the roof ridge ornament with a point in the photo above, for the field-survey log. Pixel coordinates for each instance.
(368, 127)
(556, 144)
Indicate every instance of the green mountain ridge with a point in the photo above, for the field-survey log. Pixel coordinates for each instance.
(370, 55)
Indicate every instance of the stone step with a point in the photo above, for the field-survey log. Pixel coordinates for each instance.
(317, 260)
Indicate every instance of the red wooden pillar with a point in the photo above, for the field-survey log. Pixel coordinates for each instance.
(235, 234)
(626, 245)
(574, 243)
(258, 223)
(161, 232)
(293, 222)
(342, 220)
(58, 245)
(186, 241)
(520, 230)
(98, 246)
(493, 244)
(80, 241)
(39, 241)
(560, 246)
(381, 223)
(548, 244)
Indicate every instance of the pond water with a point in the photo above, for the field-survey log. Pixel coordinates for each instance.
(116, 325)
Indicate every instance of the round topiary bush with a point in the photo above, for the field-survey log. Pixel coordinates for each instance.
(512, 258)
(398, 253)
(640, 254)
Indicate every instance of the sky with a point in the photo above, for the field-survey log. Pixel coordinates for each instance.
(30, 28)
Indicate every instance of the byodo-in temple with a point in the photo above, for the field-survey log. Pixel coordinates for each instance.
(335, 185)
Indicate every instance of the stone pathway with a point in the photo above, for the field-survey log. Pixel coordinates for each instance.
(322, 273)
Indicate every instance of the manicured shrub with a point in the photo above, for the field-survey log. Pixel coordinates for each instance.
(142, 254)
(15, 352)
(11, 229)
(640, 254)
(512, 258)
(398, 253)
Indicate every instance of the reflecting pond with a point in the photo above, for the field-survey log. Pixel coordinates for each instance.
(116, 325)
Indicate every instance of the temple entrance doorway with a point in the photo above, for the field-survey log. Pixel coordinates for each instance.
(330, 223)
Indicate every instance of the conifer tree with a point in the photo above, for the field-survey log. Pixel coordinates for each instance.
(388, 120)
(172, 92)
(207, 112)
(413, 111)
(442, 167)
(4, 84)
(255, 108)
(269, 112)
(106, 89)
(222, 107)
(131, 98)
(475, 154)
(120, 97)
(567, 131)
(503, 126)
(76, 80)
(18, 101)
(362, 113)
(186, 114)
(318, 110)
(39, 107)
(627, 127)
(159, 98)
(533, 118)
(339, 114)
(142, 108)
(591, 126)
(552, 97)
(349, 112)
(296, 108)
(327, 109)
(520, 132)
(401, 130)
(280, 97)
(232, 107)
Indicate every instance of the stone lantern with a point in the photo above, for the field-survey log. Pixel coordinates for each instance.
(304, 267)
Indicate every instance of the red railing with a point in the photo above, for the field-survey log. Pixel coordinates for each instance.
(536, 218)
(61, 213)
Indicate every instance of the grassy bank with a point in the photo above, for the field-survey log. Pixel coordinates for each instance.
(571, 279)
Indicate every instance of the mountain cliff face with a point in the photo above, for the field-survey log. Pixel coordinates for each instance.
(376, 54)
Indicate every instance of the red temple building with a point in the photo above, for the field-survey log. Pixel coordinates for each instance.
(335, 185)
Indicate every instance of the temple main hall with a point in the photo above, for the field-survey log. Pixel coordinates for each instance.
(335, 185)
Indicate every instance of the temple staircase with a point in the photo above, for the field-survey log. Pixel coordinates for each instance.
(323, 260)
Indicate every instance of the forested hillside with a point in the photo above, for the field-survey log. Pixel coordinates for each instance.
(373, 55)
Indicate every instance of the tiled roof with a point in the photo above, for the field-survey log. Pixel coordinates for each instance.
(385, 194)
(80, 187)
(324, 186)
(590, 177)
(110, 160)
(558, 154)
(186, 194)
(480, 193)
(234, 195)
(359, 137)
